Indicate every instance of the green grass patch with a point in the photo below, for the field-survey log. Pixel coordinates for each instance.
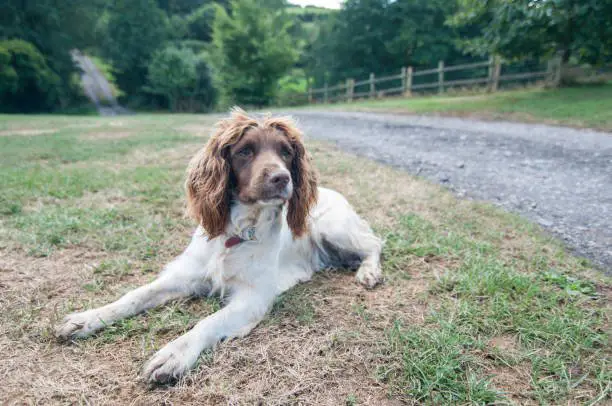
(584, 106)
(136, 230)
(175, 318)
(436, 367)
(294, 304)
(53, 189)
(66, 146)
(558, 331)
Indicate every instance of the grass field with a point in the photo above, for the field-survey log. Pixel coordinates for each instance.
(478, 306)
(583, 106)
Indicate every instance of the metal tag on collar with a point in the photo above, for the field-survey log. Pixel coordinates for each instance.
(248, 234)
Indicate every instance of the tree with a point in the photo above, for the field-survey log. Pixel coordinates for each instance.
(181, 7)
(134, 31)
(252, 51)
(172, 73)
(200, 23)
(421, 36)
(181, 77)
(537, 28)
(381, 36)
(27, 84)
(53, 28)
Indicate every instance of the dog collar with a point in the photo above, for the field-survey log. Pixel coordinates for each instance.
(247, 234)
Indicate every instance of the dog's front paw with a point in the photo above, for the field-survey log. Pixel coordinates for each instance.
(79, 325)
(171, 362)
(369, 275)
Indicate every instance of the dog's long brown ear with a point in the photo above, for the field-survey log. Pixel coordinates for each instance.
(208, 189)
(304, 193)
(208, 175)
(303, 176)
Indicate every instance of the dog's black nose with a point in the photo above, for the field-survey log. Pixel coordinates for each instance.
(279, 179)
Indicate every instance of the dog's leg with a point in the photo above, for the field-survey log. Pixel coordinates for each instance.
(244, 311)
(352, 236)
(181, 278)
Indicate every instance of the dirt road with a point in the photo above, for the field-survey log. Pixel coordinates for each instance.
(558, 177)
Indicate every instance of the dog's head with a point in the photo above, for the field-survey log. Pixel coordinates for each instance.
(257, 162)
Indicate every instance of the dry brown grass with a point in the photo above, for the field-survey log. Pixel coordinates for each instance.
(106, 135)
(324, 360)
(320, 345)
(27, 132)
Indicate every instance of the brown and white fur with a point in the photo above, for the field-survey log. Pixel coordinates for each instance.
(253, 175)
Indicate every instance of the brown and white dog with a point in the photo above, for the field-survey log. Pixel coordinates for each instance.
(264, 226)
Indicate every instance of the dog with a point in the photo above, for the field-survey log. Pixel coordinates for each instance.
(264, 225)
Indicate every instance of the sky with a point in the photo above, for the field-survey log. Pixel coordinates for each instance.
(318, 3)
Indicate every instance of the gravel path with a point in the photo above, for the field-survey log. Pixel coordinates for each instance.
(558, 177)
(96, 87)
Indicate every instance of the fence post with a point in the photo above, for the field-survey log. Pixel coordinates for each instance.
(325, 94)
(309, 95)
(403, 76)
(350, 89)
(441, 77)
(372, 86)
(495, 72)
(408, 88)
(559, 71)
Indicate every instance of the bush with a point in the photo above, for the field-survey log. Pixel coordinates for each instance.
(135, 30)
(293, 89)
(182, 78)
(27, 84)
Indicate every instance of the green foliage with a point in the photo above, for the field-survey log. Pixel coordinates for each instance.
(200, 23)
(180, 7)
(27, 84)
(135, 30)
(381, 36)
(292, 88)
(53, 28)
(252, 51)
(172, 73)
(178, 75)
(109, 72)
(9, 80)
(265, 52)
(525, 28)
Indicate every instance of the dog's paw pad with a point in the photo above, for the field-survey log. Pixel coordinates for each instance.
(369, 276)
(170, 363)
(78, 325)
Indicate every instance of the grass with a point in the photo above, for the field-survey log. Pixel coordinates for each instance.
(581, 106)
(478, 306)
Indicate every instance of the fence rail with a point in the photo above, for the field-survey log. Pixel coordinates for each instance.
(492, 79)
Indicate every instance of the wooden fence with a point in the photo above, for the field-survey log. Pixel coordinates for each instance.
(494, 76)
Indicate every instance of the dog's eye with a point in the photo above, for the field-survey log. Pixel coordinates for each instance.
(245, 152)
(286, 153)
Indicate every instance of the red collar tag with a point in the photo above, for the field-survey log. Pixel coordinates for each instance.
(234, 240)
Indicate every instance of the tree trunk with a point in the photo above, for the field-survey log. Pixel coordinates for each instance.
(566, 53)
